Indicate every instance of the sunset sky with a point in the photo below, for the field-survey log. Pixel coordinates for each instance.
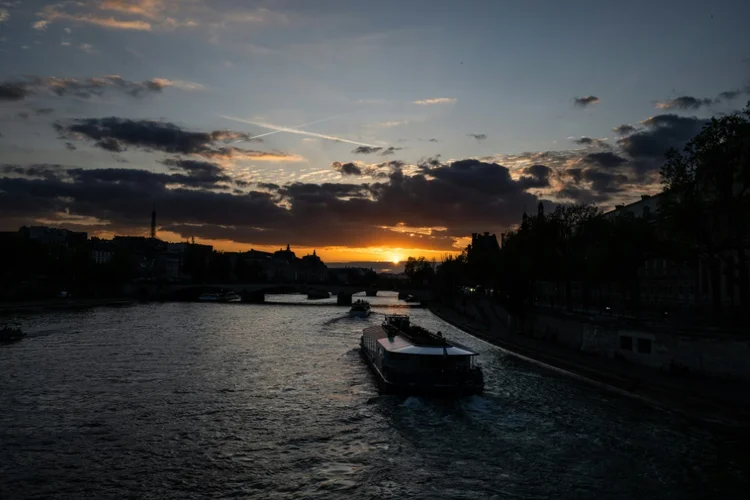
(369, 131)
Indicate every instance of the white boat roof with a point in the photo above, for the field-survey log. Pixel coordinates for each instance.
(402, 346)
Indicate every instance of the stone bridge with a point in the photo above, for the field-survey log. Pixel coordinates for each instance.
(255, 292)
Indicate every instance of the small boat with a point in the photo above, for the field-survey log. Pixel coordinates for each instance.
(410, 359)
(360, 309)
(10, 333)
(209, 297)
(228, 296)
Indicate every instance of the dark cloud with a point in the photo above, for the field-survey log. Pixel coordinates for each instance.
(604, 182)
(366, 150)
(389, 151)
(585, 101)
(242, 183)
(577, 194)
(604, 159)
(685, 102)
(204, 171)
(432, 140)
(110, 144)
(646, 147)
(44, 111)
(479, 137)
(535, 176)
(590, 141)
(85, 88)
(624, 129)
(730, 94)
(574, 173)
(346, 168)
(114, 132)
(70, 146)
(458, 196)
(11, 91)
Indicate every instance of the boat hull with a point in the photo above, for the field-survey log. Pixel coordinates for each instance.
(414, 389)
(359, 314)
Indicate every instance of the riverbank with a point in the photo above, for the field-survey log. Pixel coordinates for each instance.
(34, 306)
(705, 399)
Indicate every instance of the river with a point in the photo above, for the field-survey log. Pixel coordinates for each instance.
(184, 400)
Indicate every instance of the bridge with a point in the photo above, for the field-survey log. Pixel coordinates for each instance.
(256, 292)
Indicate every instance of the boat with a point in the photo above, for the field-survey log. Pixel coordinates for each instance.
(318, 294)
(227, 296)
(10, 333)
(406, 358)
(360, 309)
(230, 296)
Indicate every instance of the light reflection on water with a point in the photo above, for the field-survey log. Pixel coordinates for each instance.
(259, 401)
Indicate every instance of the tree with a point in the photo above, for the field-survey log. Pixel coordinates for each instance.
(419, 270)
(707, 206)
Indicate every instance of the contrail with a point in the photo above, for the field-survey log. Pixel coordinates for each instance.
(295, 131)
(292, 128)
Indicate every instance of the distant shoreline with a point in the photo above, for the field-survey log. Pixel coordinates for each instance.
(32, 306)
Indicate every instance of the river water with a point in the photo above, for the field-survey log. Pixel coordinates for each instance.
(183, 400)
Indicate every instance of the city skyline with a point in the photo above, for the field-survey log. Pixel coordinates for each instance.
(370, 132)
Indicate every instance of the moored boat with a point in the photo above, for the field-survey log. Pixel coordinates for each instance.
(408, 358)
(360, 309)
(223, 296)
(10, 333)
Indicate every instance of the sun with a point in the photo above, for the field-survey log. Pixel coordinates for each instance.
(395, 259)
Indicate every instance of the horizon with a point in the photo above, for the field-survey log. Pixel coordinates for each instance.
(368, 133)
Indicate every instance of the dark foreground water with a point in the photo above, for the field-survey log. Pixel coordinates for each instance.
(241, 401)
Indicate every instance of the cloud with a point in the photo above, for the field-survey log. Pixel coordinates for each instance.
(624, 129)
(535, 176)
(448, 200)
(162, 136)
(437, 100)
(590, 141)
(605, 159)
(479, 137)
(730, 94)
(346, 168)
(12, 91)
(389, 151)
(4, 15)
(685, 102)
(205, 172)
(86, 88)
(366, 150)
(51, 14)
(604, 182)
(585, 101)
(432, 140)
(646, 147)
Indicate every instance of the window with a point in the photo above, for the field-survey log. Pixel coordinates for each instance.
(626, 343)
(644, 346)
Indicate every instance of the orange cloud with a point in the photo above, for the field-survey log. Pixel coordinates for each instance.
(51, 14)
(149, 9)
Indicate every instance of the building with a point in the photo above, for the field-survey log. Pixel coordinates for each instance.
(54, 237)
